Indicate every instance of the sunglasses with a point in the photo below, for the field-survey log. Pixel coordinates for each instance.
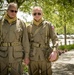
(13, 11)
(36, 14)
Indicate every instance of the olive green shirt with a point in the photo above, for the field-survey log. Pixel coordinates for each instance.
(42, 37)
(15, 34)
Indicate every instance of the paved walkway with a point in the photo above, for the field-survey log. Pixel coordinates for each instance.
(64, 65)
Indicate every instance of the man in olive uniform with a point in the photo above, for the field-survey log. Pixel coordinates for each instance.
(40, 32)
(14, 43)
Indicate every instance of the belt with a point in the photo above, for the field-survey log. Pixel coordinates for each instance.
(34, 44)
(11, 44)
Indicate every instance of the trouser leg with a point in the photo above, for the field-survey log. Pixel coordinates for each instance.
(45, 68)
(49, 69)
(34, 69)
(17, 69)
(40, 68)
(3, 68)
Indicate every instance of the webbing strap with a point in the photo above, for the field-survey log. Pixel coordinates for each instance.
(46, 24)
(11, 44)
(37, 30)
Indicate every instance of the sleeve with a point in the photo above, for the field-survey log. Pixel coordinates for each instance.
(53, 35)
(0, 32)
(25, 41)
(1, 22)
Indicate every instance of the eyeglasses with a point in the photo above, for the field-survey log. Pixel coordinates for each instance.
(13, 11)
(36, 14)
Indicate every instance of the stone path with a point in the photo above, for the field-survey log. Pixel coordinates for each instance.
(64, 65)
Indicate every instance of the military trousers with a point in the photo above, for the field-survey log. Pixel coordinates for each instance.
(10, 69)
(40, 68)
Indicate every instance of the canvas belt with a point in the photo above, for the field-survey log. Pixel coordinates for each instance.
(11, 44)
(34, 44)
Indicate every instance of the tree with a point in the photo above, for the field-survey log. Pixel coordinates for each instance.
(61, 10)
(19, 2)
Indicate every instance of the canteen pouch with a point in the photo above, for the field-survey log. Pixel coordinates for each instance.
(47, 52)
(33, 52)
(3, 52)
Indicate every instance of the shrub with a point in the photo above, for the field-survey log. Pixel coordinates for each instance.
(66, 47)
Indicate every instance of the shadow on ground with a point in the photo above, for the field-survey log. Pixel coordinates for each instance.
(63, 69)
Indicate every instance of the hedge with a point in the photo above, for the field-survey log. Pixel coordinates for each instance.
(66, 47)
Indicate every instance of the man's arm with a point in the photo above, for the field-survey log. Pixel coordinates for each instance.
(25, 43)
(53, 36)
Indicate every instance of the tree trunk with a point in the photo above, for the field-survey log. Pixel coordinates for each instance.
(65, 35)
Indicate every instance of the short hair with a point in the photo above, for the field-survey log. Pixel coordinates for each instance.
(37, 8)
(12, 5)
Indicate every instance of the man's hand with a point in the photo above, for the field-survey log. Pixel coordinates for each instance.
(53, 56)
(26, 61)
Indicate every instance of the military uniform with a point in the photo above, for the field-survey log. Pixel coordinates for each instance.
(14, 42)
(39, 37)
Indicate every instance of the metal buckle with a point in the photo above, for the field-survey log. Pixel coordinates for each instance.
(38, 45)
(9, 44)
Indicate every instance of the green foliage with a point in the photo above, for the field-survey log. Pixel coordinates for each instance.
(66, 47)
(25, 67)
(1, 2)
(19, 2)
(59, 12)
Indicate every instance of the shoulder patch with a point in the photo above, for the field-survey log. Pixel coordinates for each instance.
(52, 27)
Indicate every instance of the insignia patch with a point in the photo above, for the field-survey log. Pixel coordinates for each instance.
(52, 27)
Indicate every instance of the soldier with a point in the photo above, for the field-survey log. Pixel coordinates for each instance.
(41, 55)
(14, 43)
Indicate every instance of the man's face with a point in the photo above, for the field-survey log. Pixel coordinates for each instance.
(37, 14)
(12, 12)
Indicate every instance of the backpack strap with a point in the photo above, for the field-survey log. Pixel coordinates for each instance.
(37, 30)
(33, 34)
